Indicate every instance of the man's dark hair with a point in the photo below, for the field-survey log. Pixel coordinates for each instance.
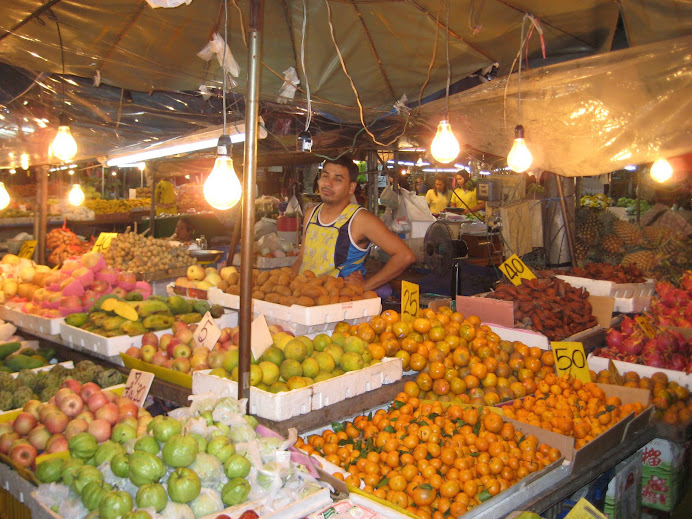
(347, 162)
(187, 222)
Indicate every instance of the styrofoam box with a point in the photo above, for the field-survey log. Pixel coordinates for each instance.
(4, 313)
(302, 320)
(598, 363)
(111, 346)
(297, 509)
(12, 314)
(632, 305)
(36, 323)
(281, 406)
(597, 287)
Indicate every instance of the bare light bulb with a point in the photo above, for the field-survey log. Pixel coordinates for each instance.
(64, 146)
(519, 158)
(444, 147)
(24, 161)
(661, 170)
(4, 196)
(222, 188)
(76, 196)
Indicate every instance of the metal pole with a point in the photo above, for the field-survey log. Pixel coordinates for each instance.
(639, 195)
(43, 212)
(152, 209)
(248, 207)
(103, 180)
(565, 217)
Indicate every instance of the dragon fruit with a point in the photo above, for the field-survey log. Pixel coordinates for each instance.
(673, 306)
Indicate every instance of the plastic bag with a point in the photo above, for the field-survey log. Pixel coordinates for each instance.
(288, 89)
(389, 198)
(414, 207)
(264, 226)
(293, 207)
(209, 469)
(207, 502)
(168, 4)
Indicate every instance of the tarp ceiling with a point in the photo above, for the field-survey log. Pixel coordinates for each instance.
(389, 47)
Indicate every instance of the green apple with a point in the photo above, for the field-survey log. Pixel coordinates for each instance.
(183, 485)
(147, 444)
(152, 494)
(163, 427)
(180, 451)
(235, 491)
(115, 503)
(145, 467)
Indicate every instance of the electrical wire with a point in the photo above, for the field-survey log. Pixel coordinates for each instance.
(432, 58)
(449, 65)
(223, 60)
(302, 64)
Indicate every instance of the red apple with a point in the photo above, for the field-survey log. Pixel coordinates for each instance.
(181, 364)
(171, 344)
(198, 362)
(159, 358)
(89, 389)
(129, 420)
(100, 429)
(200, 350)
(89, 298)
(185, 336)
(72, 405)
(164, 340)
(62, 393)
(38, 437)
(179, 326)
(134, 352)
(57, 443)
(23, 454)
(215, 359)
(126, 280)
(45, 410)
(6, 427)
(180, 350)
(150, 338)
(108, 412)
(275, 328)
(73, 384)
(112, 397)
(56, 422)
(126, 407)
(100, 286)
(6, 441)
(23, 423)
(86, 415)
(168, 363)
(96, 401)
(33, 407)
(148, 351)
(76, 426)
(225, 335)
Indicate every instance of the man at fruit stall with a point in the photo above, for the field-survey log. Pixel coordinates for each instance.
(337, 234)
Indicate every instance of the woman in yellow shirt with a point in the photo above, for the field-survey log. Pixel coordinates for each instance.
(465, 198)
(439, 197)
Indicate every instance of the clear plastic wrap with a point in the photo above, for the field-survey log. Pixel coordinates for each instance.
(588, 116)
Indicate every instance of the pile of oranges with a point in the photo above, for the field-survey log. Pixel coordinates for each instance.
(459, 359)
(431, 460)
(567, 406)
(671, 400)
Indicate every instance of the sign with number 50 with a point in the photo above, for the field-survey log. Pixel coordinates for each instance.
(571, 359)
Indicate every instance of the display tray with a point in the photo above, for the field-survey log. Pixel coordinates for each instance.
(597, 287)
(110, 346)
(302, 320)
(206, 256)
(194, 293)
(282, 406)
(599, 363)
(589, 337)
(169, 375)
(34, 323)
(158, 275)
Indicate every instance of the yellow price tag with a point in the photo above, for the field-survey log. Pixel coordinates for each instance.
(585, 510)
(103, 241)
(27, 250)
(646, 326)
(410, 301)
(515, 270)
(570, 359)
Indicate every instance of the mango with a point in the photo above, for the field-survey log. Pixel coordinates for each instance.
(178, 305)
(125, 310)
(99, 302)
(189, 318)
(20, 361)
(113, 323)
(201, 307)
(152, 306)
(134, 295)
(158, 321)
(77, 320)
(133, 328)
(109, 304)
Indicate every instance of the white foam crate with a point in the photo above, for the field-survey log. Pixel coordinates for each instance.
(38, 324)
(632, 305)
(303, 320)
(285, 405)
(12, 315)
(599, 363)
(4, 313)
(598, 287)
(111, 346)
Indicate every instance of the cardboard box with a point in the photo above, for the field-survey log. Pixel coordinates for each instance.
(663, 473)
(597, 287)
(599, 363)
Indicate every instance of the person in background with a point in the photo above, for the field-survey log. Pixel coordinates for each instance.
(184, 231)
(464, 197)
(439, 197)
(421, 187)
(337, 234)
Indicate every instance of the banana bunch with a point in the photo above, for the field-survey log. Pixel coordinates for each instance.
(599, 201)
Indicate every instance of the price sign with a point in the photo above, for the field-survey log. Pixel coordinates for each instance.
(646, 326)
(103, 241)
(410, 301)
(570, 359)
(207, 332)
(138, 385)
(27, 250)
(515, 270)
(584, 510)
(260, 336)
(612, 368)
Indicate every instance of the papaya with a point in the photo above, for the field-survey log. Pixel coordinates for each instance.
(125, 310)
(153, 306)
(134, 295)
(19, 361)
(113, 323)
(77, 320)
(201, 307)
(158, 321)
(178, 305)
(97, 318)
(189, 318)
(109, 304)
(99, 302)
(133, 328)
(9, 348)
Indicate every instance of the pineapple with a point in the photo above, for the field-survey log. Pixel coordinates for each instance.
(580, 251)
(612, 244)
(605, 221)
(656, 236)
(645, 260)
(587, 235)
(630, 234)
(587, 224)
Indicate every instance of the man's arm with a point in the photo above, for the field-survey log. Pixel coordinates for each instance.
(367, 225)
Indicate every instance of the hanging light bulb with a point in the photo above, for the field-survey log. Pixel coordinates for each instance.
(24, 161)
(519, 158)
(222, 188)
(444, 147)
(64, 146)
(13, 171)
(4, 196)
(76, 196)
(661, 170)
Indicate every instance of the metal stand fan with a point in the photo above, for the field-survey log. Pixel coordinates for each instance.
(442, 245)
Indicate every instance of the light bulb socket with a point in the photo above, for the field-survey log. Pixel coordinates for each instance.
(304, 142)
(64, 121)
(223, 147)
(518, 131)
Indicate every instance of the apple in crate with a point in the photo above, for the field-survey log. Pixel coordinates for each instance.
(134, 352)
(38, 437)
(195, 273)
(165, 340)
(150, 338)
(76, 426)
(23, 453)
(24, 423)
(57, 443)
(147, 352)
